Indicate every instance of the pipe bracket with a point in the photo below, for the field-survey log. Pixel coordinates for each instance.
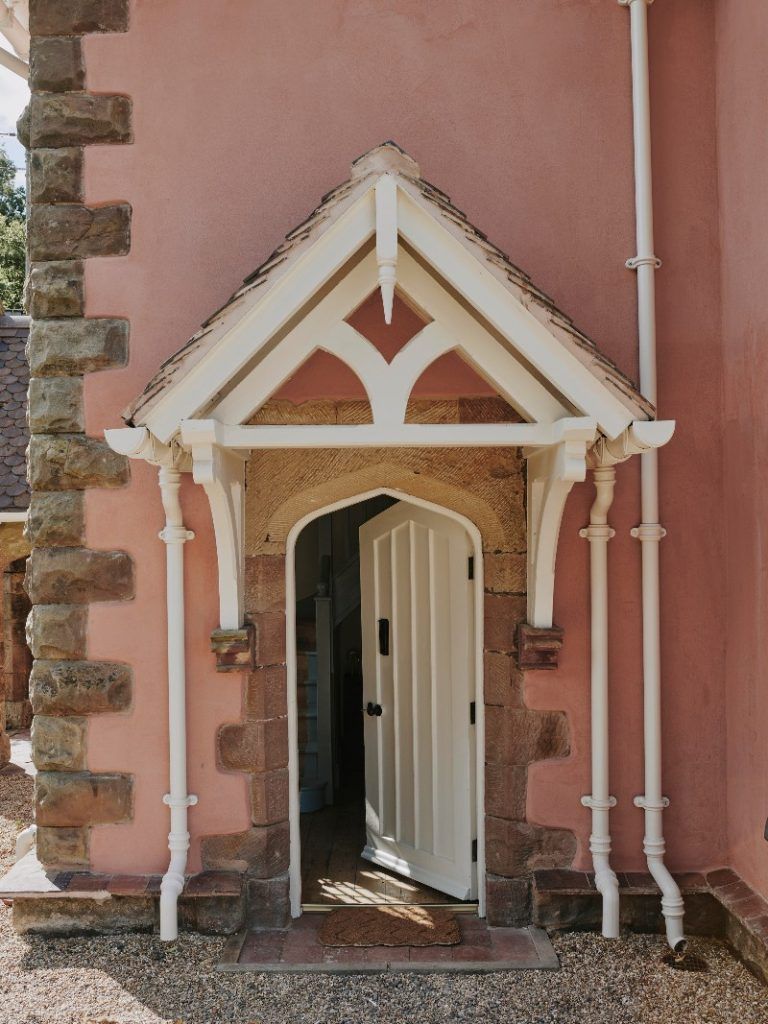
(648, 531)
(651, 805)
(626, 3)
(643, 261)
(175, 534)
(597, 531)
(599, 805)
(184, 801)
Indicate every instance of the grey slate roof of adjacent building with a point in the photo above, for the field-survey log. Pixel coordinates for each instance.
(14, 432)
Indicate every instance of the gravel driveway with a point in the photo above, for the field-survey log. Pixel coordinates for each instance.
(135, 980)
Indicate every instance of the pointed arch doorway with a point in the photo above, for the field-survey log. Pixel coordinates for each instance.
(421, 704)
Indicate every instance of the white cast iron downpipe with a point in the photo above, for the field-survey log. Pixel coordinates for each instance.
(650, 532)
(175, 536)
(598, 533)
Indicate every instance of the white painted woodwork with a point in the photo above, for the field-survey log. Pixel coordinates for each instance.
(386, 240)
(420, 753)
(261, 317)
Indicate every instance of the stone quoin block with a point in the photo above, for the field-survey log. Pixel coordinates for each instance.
(58, 744)
(514, 848)
(80, 687)
(71, 462)
(77, 17)
(56, 405)
(538, 647)
(520, 735)
(82, 798)
(78, 575)
(77, 119)
(508, 902)
(261, 852)
(56, 64)
(253, 746)
(60, 347)
(57, 631)
(62, 847)
(268, 902)
(270, 638)
(56, 519)
(506, 572)
(265, 583)
(55, 289)
(502, 680)
(502, 614)
(56, 175)
(268, 793)
(505, 790)
(70, 231)
(266, 693)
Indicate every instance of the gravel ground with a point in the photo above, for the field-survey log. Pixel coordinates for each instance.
(135, 980)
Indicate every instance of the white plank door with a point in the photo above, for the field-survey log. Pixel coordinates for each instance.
(418, 681)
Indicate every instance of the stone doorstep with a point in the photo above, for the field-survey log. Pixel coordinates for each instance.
(296, 950)
(29, 879)
(741, 913)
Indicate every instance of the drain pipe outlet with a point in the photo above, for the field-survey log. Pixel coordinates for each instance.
(649, 532)
(598, 533)
(175, 535)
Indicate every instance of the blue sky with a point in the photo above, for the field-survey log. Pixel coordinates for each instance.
(13, 98)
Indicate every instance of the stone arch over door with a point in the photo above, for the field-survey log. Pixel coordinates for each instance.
(486, 487)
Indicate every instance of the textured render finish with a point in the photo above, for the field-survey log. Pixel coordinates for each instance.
(63, 576)
(544, 164)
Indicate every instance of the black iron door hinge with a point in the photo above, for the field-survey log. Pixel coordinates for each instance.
(474, 851)
(471, 567)
(472, 712)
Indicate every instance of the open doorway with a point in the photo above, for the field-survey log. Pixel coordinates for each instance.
(385, 706)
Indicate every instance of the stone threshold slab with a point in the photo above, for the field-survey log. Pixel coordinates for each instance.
(296, 950)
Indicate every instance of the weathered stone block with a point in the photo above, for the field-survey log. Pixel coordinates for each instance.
(508, 902)
(78, 575)
(505, 791)
(268, 902)
(222, 914)
(57, 631)
(56, 519)
(514, 848)
(55, 289)
(56, 64)
(270, 638)
(502, 680)
(82, 798)
(74, 916)
(234, 648)
(78, 119)
(77, 17)
(538, 648)
(80, 687)
(254, 746)
(5, 746)
(520, 735)
(56, 175)
(266, 693)
(261, 852)
(265, 583)
(71, 231)
(62, 847)
(55, 405)
(502, 614)
(58, 744)
(70, 462)
(505, 572)
(60, 347)
(269, 797)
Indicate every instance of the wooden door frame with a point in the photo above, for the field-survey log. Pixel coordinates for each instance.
(291, 665)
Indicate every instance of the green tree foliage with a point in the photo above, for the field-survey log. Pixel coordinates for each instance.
(12, 235)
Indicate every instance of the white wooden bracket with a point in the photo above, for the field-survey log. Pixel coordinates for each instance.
(386, 241)
(222, 475)
(552, 472)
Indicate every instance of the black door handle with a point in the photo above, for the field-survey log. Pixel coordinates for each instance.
(373, 709)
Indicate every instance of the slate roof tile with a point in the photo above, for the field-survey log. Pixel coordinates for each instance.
(14, 433)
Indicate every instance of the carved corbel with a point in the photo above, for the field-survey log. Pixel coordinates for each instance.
(222, 475)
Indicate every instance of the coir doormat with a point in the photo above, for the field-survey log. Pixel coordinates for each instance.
(390, 926)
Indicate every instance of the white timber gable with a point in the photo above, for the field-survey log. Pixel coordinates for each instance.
(388, 229)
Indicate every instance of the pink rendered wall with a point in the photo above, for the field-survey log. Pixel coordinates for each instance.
(742, 86)
(519, 109)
